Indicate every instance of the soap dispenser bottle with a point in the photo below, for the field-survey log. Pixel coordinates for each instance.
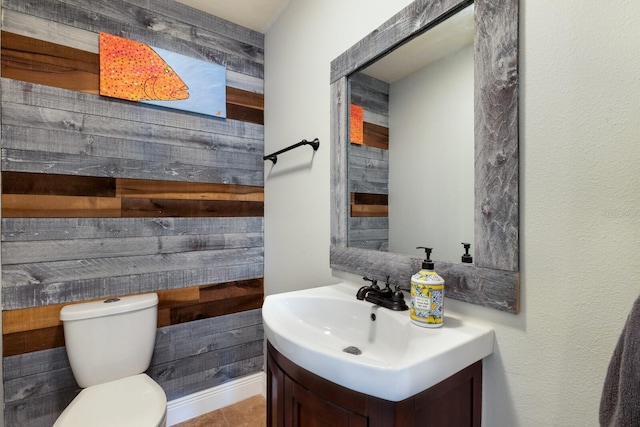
(427, 295)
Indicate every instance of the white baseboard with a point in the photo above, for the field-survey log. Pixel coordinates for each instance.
(200, 403)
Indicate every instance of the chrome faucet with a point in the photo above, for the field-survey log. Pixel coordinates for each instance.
(386, 297)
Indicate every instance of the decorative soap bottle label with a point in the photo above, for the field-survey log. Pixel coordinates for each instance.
(427, 299)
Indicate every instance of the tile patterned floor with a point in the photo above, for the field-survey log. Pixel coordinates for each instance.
(247, 413)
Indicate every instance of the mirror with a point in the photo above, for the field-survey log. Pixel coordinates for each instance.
(493, 279)
(417, 100)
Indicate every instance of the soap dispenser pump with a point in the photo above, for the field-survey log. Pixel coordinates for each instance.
(427, 295)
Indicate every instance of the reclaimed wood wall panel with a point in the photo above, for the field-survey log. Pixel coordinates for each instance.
(92, 141)
(369, 233)
(368, 166)
(104, 197)
(152, 25)
(39, 328)
(50, 64)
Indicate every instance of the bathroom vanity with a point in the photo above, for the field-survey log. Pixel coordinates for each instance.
(333, 360)
(297, 397)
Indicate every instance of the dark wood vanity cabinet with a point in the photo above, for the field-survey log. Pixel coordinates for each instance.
(299, 398)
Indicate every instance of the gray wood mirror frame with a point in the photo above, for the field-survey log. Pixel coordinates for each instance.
(493, 279)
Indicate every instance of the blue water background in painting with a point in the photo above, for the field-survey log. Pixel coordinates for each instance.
(206, 81)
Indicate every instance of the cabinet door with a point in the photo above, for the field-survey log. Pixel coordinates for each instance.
(275, 394)
(305, 409)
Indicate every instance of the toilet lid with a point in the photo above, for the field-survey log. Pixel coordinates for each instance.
(132, 401)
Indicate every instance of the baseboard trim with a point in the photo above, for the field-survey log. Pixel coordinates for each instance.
(204, 401)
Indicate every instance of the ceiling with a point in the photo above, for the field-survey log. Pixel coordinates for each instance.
(255, 14)
(442, 40)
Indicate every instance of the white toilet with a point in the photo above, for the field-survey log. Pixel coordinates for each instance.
(110, 344)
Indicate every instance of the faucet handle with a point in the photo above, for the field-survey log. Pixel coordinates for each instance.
(374, 282)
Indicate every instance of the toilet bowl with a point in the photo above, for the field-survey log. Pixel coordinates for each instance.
(132, 401)
(110, 344)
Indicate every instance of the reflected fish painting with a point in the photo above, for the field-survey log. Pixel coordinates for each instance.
(134, 71)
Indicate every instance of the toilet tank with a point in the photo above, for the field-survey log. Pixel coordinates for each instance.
(110, 339)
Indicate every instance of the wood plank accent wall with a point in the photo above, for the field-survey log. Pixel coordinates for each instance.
(368, 168)
(103, 197)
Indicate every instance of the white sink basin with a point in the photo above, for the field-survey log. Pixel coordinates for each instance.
(397, 359)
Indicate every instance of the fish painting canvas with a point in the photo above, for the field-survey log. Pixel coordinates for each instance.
(135, 71)
(356, 124)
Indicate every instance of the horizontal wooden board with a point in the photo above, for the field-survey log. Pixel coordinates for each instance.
(210, 131)
(32, 195)
(26, 206)
(196, 191)
(136, 208)
(79, 249)
(36, 284)
(369, 93)
(38, 339)
(369, 199)
(36, 229)
(74, 185)
(375, 136)
(60, 185)
(155, 29)
(39, 328)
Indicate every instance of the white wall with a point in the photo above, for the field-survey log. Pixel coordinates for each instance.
(580, 204)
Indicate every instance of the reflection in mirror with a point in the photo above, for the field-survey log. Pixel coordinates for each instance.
(416, 146)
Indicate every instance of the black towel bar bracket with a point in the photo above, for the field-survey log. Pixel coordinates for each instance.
(274, 156)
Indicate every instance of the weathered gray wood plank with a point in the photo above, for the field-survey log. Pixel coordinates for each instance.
(39, 229)
(38, 412)
(368, 169)
(57, 272)
(182, 340)
(144, 25)
(368, 223)
(42, 29)
(196, 18)
(369, 95)
(35, 95)
(65, 250)
(496, 135)
(33, 285)
(94, 145)
(125, 139)
(210, 360)
(409, 22)
(65, 164)
(24, 365)
(181, 387)
(484, 286)
(339, 163)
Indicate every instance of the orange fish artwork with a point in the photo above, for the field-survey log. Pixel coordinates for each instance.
(134, 71)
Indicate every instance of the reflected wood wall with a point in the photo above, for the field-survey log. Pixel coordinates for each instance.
(103, 197)
(368, 168)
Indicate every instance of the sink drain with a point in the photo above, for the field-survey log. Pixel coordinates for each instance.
(352, 350)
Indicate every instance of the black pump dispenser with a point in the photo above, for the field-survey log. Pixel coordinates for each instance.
(427, 264)
(466, 257)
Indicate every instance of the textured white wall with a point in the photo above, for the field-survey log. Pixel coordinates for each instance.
(580, 204)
